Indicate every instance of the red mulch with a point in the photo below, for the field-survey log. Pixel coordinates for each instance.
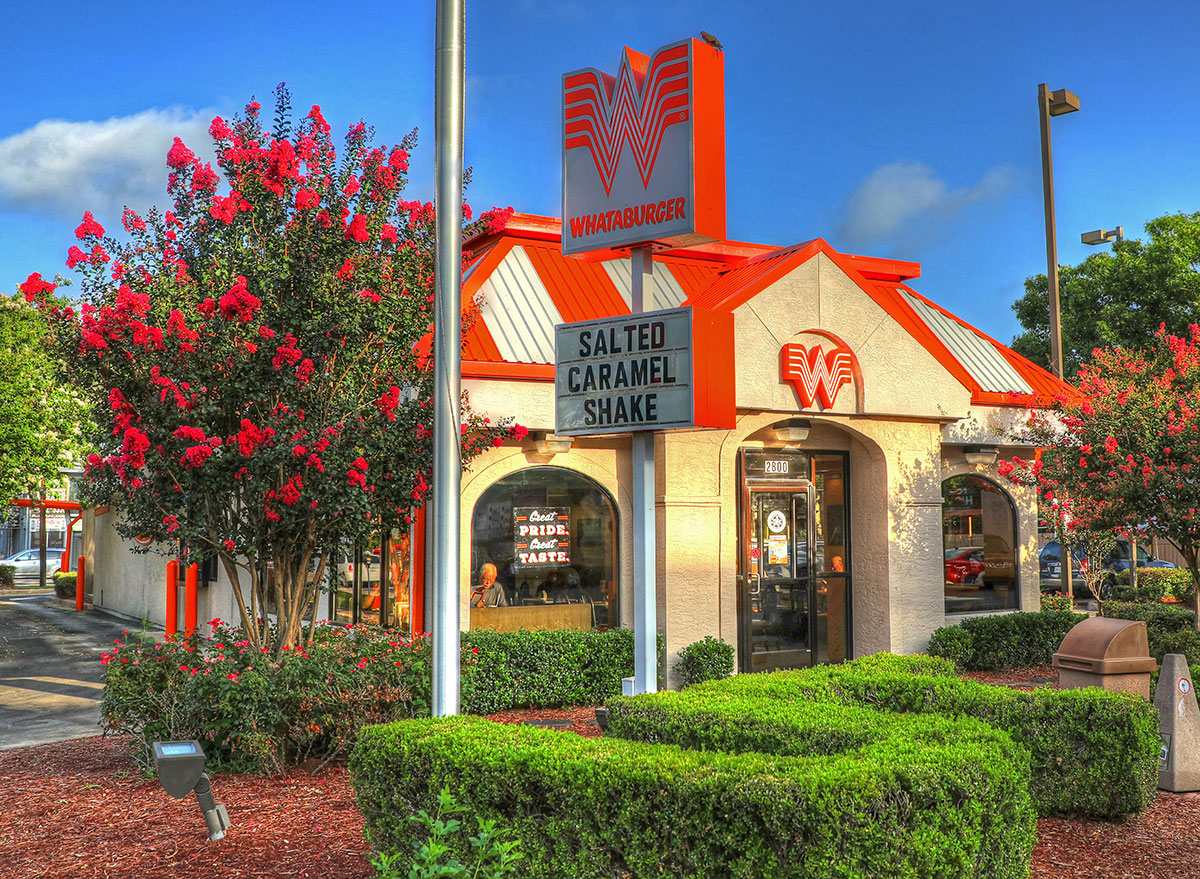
(81, 809)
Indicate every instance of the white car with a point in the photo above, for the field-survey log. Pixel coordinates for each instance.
(28, 563)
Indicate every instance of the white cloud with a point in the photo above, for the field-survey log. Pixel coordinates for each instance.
(903, 205)
(61, 168)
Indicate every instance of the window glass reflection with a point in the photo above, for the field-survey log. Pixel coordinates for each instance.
(979, 538)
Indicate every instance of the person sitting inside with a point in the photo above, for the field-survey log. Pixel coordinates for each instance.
(488, 593)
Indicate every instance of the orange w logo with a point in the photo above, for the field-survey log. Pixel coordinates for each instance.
(601, 113)
(816, 376)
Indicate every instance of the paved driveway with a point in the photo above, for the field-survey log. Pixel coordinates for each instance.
(50, 671)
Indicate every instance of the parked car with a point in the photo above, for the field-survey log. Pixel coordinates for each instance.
(965, 565)
(28, 565)
(1117, 561)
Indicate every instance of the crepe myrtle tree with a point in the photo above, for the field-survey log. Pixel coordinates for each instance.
(1125, 452)
(253, 356)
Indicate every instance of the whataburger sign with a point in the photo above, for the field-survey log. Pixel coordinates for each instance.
(644, 151)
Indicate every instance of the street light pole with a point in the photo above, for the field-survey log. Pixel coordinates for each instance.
(1052, 104)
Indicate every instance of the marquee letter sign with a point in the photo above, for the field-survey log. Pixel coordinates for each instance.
(644, 151)
(816, 375)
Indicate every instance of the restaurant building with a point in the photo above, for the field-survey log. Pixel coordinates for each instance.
(842, 497)
(854, 505)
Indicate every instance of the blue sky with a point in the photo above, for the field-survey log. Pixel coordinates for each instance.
(906, 130)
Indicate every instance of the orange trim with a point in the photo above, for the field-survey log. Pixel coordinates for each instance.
(416, 613)
(534, 372)
(708, 140)
(579, 289)
(876, 269)
(713, 367)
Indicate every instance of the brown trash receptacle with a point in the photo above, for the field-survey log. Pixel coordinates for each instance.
(1106, 653)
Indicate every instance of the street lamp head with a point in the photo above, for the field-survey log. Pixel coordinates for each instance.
(1103, 236)
(1063, 101)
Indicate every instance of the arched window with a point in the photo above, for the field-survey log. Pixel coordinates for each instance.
(979, 540)
(552, 535)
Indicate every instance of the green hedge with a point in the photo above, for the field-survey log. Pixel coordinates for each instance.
(1010, 640)
(544, 669)
(7, 573)
(253, 712)
(709, 659)
(1155, 584)
(1168, 627)
(602, 808)
(1092, 752)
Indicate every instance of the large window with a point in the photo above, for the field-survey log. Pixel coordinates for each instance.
(552, 536)
(979, 540)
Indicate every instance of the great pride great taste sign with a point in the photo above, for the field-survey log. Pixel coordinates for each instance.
(644, 151)
(543, 536)
(650, 371)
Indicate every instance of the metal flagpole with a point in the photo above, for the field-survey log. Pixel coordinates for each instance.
(447, 381)
(645, 595)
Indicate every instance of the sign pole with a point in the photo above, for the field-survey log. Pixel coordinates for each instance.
(645, 593)
(447, 361)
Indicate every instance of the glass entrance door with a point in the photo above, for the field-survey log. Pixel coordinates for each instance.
(777, 598)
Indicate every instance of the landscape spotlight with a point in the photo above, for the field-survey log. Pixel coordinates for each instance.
(180, 768)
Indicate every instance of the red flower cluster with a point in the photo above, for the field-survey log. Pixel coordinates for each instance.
(239, 302)
(89, 228)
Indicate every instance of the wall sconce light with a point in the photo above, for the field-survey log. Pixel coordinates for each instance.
(981, 456)
(794, 431)
(550, 444)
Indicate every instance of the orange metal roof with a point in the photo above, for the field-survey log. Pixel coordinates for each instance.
(721, 276)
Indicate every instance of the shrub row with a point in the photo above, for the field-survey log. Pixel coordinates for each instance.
(1011, 640)
(544, 669)
(1155, 584)
(7, 573)
(949, 806)
(1092, 752)
(253, 712)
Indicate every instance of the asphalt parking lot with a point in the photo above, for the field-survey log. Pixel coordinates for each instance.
(50, 671)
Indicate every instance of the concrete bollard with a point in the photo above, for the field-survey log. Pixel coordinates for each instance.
(1178, 726)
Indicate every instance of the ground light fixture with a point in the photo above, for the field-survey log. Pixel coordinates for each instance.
(180, 768)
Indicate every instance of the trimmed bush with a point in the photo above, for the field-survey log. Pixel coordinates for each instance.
(601, 808)
(544, 669)
(1158, 617)
(1010, 640)
(7, 573)
(1155, 584)
(254, 713)
(1092, 752)
(64, 584)
(709, 659)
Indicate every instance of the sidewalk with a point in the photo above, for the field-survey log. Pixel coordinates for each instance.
(51, 679)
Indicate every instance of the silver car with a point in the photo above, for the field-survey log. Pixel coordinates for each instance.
(28, 563)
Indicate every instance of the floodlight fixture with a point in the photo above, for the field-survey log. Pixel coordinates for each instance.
(180, 768)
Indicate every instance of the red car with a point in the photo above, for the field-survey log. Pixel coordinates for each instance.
(965, 565)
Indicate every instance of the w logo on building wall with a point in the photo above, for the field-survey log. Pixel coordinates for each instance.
(602, 114)
(815, 374)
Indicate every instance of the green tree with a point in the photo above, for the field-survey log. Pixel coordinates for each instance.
(1125, 451)
(255, 361)
(1118, 299)
(40, 419)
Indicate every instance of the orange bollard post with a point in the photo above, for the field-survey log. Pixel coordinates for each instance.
(80, 582)
(172, 613)
(191, 582)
